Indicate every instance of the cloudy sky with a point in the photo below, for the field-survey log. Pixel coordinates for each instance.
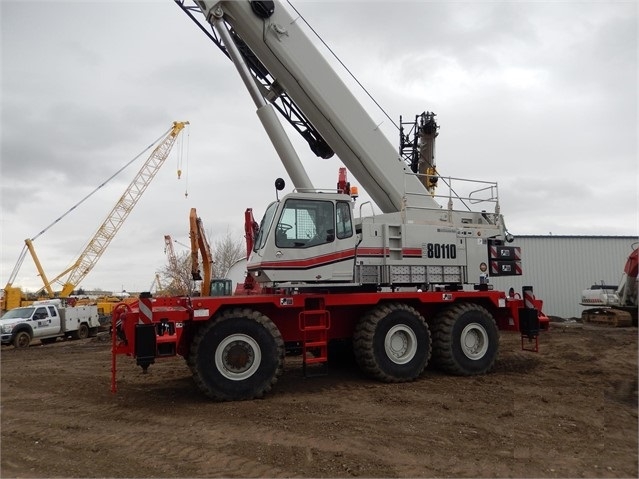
(538, 96)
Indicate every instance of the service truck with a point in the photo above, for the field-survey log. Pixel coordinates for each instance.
(48, 320)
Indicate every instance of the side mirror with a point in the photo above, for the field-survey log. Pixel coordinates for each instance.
(279, 186)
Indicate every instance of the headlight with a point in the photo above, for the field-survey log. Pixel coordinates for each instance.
(7, 328)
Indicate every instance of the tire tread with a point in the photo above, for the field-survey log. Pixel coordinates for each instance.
(363, 341)
(442, 332)
(231, 314)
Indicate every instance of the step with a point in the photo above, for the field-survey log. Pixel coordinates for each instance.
(318, 360)
(315, 328)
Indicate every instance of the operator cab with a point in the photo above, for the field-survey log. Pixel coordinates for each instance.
(305, 238)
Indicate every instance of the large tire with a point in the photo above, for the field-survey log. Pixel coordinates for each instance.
(465, 340)
(392, 343)
(237, 355)
(21, 340)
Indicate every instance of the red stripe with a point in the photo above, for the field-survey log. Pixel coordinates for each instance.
(308, 262)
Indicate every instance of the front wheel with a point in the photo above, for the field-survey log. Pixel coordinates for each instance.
(21, 340)
(392, 343)
(237, 355)
(465, 340)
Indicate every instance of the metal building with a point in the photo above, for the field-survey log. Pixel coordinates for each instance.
(560, 267)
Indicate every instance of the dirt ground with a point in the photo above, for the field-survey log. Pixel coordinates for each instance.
(568, 411)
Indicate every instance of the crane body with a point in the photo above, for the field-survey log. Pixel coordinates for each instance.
(400, 286)
(412, 223)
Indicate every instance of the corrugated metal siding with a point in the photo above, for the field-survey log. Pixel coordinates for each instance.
(560, 267)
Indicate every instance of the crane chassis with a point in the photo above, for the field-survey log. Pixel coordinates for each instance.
(235, 346)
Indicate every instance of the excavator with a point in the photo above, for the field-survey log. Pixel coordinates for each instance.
(405, 287)
(614, 305)
(200, 246)
(99, 242)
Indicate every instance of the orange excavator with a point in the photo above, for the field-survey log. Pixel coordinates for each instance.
(199, 244)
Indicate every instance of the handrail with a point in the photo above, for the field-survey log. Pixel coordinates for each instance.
(372, 209)
(462, 184)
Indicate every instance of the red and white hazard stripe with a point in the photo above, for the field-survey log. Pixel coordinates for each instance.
(529, 297)
(146, 313)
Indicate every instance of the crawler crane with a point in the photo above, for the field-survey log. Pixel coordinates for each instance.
(403, 287)
(99, 242)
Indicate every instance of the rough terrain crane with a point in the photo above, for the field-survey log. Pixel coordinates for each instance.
(99, 242)
(402, 286)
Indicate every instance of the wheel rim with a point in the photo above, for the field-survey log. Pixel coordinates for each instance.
(237, 357)
(400, 344)
(23, 340)
(474, 341)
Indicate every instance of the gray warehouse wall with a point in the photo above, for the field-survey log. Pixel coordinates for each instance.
(560, 267)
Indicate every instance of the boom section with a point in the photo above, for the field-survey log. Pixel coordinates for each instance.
(301, 71)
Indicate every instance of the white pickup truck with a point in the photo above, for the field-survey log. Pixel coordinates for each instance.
(47, 321)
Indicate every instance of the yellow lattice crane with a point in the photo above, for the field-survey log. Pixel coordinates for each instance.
(170, 253)
(105, 233)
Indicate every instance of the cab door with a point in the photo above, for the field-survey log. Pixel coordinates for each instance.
(314, 240)
(43, 323)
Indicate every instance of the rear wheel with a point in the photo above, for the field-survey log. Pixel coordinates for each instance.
(21, 340)
(81, 333)
(465, 340)
(392, 343)
(237, 355)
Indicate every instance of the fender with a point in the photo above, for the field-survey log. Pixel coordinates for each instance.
(21, 327)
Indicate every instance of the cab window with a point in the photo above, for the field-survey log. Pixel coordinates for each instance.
(52, 312)
(305, 223)
(41, 313)
(344, 220)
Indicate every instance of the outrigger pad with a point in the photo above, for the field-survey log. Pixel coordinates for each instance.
(529, 322)
(145, 345)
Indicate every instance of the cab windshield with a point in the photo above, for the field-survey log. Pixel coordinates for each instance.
(18, 313)
(305, 223)
(265, 225)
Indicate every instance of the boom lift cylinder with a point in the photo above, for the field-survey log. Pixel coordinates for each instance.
(265, 111)
(302, 72)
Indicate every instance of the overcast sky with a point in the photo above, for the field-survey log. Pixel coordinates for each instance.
(538, 96)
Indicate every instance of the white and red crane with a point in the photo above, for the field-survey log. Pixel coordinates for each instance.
(402, 287)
